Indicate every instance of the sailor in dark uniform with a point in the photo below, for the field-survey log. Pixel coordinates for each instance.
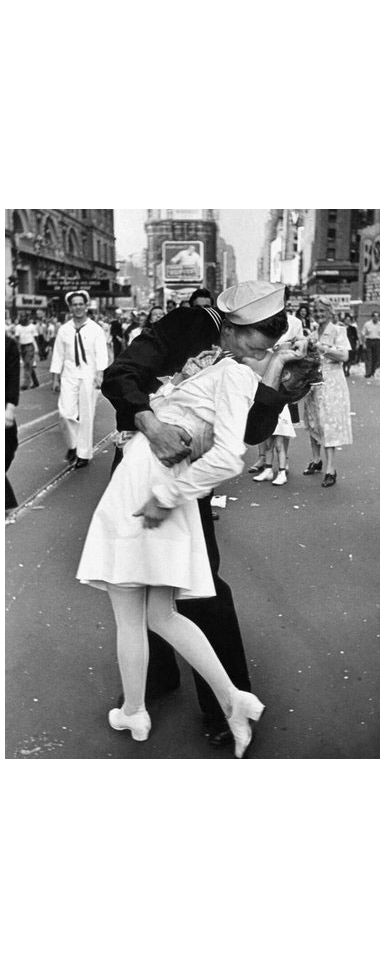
(127, 383)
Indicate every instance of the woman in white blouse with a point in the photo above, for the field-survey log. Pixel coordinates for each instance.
(327, 407)
(144, 567)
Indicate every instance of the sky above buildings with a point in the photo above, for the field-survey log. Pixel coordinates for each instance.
(241, 228)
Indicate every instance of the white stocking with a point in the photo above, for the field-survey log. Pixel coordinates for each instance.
(129, 606)
(189, 641)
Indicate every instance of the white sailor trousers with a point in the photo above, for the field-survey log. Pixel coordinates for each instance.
(77, 402)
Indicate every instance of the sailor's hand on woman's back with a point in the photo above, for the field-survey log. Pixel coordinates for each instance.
(170, 443)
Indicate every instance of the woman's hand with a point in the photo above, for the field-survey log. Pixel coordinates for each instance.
(292, 350)
(152, 513)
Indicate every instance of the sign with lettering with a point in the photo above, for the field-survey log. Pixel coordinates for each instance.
(27, 302)
(59, 285)
(339, 301)
(371, 255)
(183, 262)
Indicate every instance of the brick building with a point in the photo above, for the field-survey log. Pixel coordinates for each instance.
(51, 250)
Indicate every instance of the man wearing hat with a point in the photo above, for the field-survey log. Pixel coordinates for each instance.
(79, 357)
(257, 308)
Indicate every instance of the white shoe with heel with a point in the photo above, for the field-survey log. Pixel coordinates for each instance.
(138, 723)
(245, 707)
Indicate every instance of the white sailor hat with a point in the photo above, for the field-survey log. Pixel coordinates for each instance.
(77, 292)
(251, 302)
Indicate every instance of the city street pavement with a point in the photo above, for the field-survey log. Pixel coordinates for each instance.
(41, 453)
(303, 565)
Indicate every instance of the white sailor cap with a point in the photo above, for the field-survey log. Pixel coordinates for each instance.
(77, 292)
(251, 302)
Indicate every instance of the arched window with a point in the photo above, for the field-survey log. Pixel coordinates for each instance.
(49, 232)
(20, 222)
(72, 243)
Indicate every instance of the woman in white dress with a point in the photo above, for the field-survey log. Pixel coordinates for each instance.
(145, 544)
(327, 406)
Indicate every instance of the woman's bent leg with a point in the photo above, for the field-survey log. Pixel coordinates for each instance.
(239, 707)
(129, 607)
(189, 641)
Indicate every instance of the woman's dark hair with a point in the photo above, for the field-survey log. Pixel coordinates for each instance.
(149, 315)
(303, 306)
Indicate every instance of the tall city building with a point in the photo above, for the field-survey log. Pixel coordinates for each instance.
(324, 251)
(49, 251)
(226, 265)
(181, 251)
(331, 250)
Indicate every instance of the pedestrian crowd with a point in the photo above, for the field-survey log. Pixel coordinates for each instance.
(192, 389)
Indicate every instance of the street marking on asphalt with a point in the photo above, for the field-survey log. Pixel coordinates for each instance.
(49, 485)
(36, 420)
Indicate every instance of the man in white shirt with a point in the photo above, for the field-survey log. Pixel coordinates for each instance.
(26, 334)
(188, 259)
(371, 337)
(80, 357)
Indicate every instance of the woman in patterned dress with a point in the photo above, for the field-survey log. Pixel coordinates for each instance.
(327, 407)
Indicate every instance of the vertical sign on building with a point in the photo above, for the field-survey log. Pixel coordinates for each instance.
(371, 268)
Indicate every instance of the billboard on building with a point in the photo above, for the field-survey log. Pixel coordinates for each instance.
(183, 262)
(370, 264)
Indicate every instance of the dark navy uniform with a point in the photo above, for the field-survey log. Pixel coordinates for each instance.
(12, 383)
(181, 334)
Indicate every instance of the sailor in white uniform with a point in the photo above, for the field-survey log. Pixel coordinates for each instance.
(80, 357)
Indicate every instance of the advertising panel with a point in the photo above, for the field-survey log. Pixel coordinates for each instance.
(183, 262)
(340, 301)
(371, 268)
(28, 302)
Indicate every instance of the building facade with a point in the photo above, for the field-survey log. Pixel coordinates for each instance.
(322, 251)
(226, 265)
(331, 250)
(173, 237)
(49, 251)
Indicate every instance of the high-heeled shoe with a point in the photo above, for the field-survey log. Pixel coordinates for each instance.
(329, 480)
(313, 468)
(138, 723)
(245, 707)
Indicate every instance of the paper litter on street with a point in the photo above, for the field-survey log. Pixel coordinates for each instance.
(218, 501)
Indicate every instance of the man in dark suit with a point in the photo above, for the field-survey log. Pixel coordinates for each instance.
(185, 332)
(12, 385)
